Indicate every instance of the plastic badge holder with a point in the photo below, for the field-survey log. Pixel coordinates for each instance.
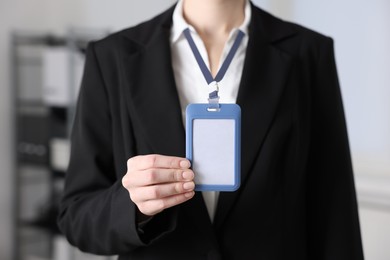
(213, 145)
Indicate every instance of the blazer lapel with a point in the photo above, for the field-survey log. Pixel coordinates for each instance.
(153, 97)
(264, 76)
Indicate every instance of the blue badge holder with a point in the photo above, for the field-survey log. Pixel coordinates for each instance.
(213, 145)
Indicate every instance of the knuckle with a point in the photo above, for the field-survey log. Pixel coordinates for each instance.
(130, 162)
(160, 205)
(142, 208)
(134, 197)
(154, 193)
(151, 175)
(177, 175)
(125, 182)
(128, 181)
(172, 163)
(178, 187)
(150, 160)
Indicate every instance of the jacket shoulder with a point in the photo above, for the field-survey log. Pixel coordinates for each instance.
(290, 37)
(140, 34)
(278, 29)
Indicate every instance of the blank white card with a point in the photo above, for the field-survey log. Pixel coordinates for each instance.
(213, 151)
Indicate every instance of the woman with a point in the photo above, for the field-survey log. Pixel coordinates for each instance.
(297, 197)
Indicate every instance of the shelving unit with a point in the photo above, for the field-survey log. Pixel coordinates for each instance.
(46, 75)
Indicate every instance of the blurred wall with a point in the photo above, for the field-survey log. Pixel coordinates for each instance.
(361, 30)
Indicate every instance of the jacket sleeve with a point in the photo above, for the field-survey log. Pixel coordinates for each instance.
(96, 212)
(333, 223)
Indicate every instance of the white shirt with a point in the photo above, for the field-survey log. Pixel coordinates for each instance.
(190, 82)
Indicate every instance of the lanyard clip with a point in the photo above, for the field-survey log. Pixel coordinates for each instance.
(213, 96)
(213, 87)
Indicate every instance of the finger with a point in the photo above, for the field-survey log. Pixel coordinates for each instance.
(144, 162)
(152, 207)
(156, 192)
(157, 176)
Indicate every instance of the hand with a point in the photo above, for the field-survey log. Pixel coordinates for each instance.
(157, 182)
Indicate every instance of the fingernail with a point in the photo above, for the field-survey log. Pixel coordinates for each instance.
(185, 164)
(188, 175)
(189, 194)
(189, 185)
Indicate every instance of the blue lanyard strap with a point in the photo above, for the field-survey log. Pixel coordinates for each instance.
(213, 96)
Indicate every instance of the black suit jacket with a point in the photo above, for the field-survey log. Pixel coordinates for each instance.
(297, 197)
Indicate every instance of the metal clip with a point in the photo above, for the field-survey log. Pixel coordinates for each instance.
(213, 86)
(213, 96)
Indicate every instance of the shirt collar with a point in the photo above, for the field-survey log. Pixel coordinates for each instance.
(179, 24)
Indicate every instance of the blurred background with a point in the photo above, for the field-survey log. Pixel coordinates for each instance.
(41, 58)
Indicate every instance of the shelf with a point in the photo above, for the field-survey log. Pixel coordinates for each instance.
(43, 64)
(34, 243)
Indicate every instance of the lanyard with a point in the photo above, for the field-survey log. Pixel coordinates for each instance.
(213, 96)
